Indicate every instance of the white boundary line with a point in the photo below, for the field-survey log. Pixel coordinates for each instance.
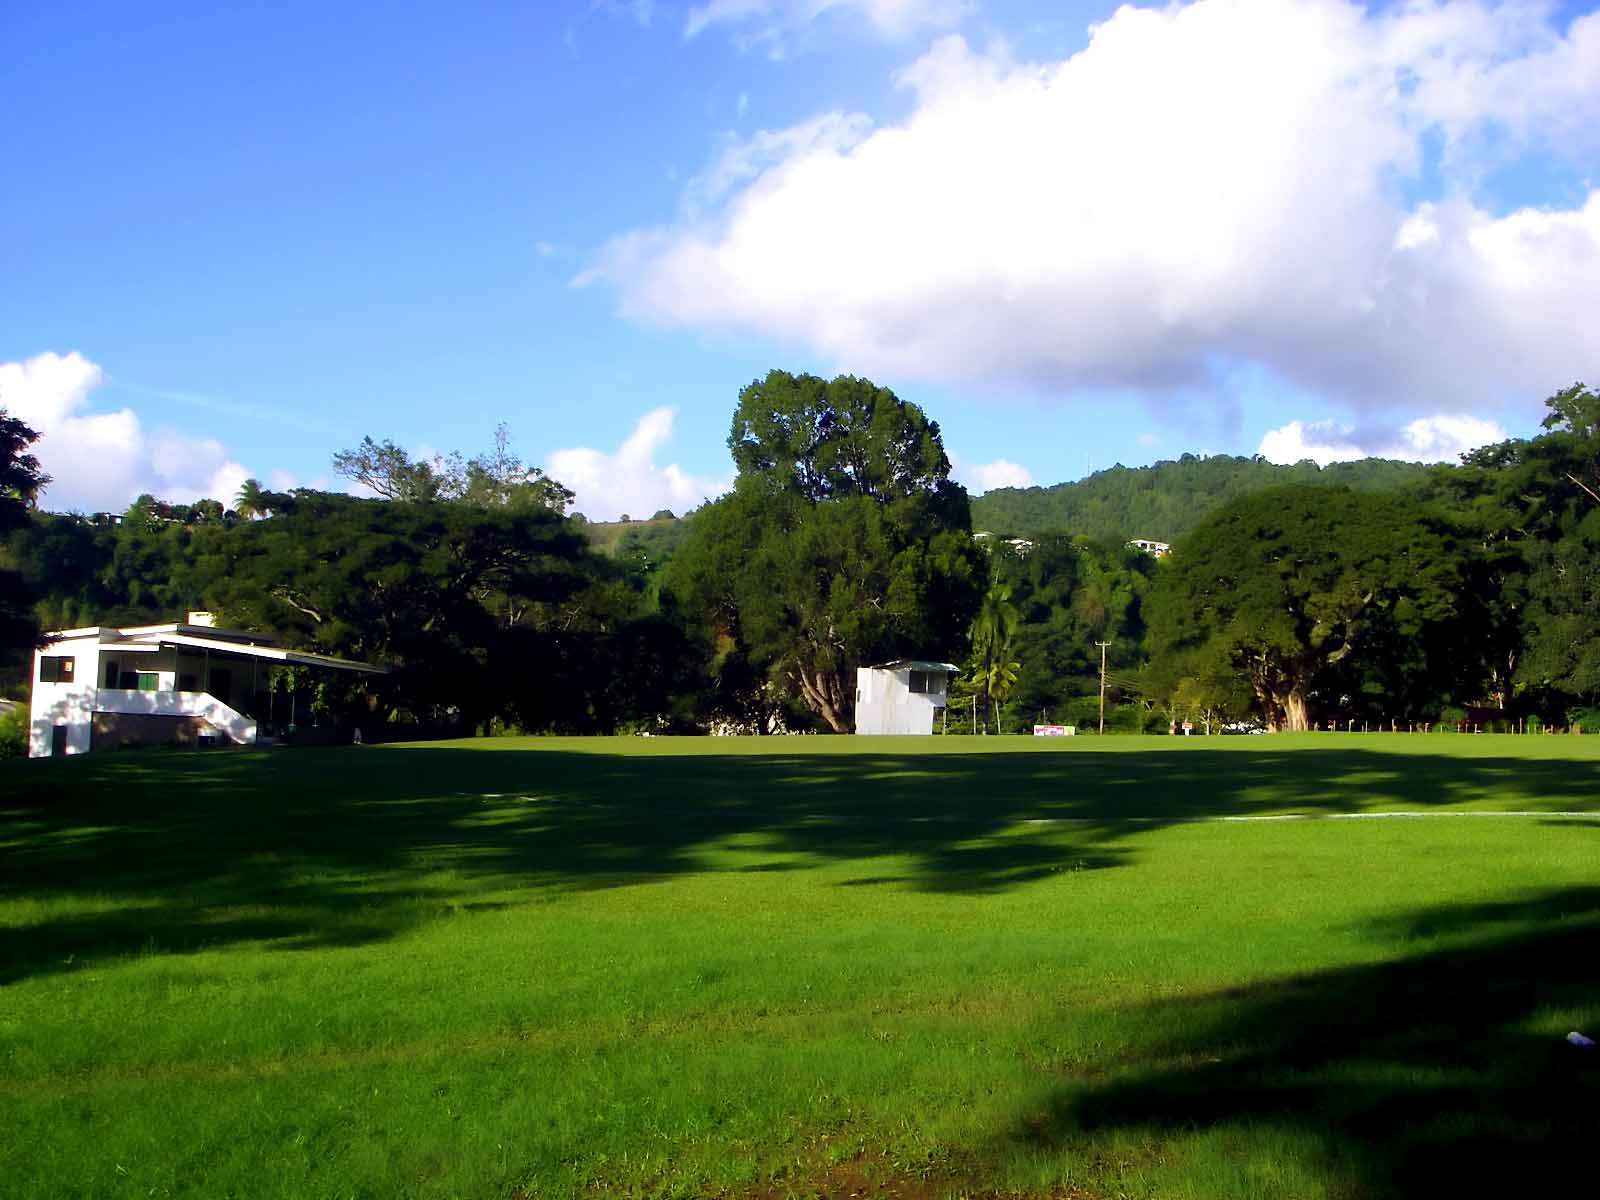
(1571, 814)
(1588, 815)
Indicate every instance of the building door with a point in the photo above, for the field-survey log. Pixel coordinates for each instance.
(58, 741)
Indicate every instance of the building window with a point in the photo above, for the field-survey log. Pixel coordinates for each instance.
(148, 681)
(111, 673)
(188, 682)
(919, 682)
(57, 669)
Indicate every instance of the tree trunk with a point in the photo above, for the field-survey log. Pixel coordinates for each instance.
(1281, 693)
(1294, 711)
(1286, 711)
(824, 695)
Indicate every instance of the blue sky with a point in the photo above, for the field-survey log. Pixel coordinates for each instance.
(236, 239)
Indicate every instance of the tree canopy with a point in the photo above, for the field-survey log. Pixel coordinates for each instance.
(1415, 594)
(495, 479)
(21, 482)
(1289, 582)
(1535, 505)
(843, 542)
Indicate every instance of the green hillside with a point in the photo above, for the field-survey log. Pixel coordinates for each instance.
(1163, 501)
(615, 537)
(1168, 499)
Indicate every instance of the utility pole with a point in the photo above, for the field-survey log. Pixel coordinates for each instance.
(1102, 646)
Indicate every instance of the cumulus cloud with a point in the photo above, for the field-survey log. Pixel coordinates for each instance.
(104, 459)
(1202, 183)
(1443, 437)
(628, 480)
(1001, 473)
(772, 24)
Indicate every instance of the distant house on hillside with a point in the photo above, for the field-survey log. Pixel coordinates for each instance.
(900, 696)
(186, 683)
(1020, 545)
(1159, 549)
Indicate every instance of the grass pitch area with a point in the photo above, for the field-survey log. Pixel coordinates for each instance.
(931, 967)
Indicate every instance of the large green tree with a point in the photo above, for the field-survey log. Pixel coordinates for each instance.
(497, 478)
(438, 590)
(843, 542)
(390, 472)
(1531, 505)
(21, 481)
(1545, 494)
(1289, 583)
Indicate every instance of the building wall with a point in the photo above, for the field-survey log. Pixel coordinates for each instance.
(114, 731)
(227, 722)
(885, 703)
(65, 704)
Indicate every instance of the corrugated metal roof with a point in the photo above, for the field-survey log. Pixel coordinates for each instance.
(240, 642)
(271, 653)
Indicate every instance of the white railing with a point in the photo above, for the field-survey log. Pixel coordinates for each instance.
(229, 722)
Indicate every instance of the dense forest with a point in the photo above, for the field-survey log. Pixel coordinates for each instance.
(1369, 593)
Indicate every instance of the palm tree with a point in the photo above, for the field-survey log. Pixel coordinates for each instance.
(250, 500)
(996, 683)
(994, 672)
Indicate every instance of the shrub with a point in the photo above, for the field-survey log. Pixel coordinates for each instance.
(14, 733)
(1587, 719)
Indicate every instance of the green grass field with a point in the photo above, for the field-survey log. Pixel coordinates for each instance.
(800, 967)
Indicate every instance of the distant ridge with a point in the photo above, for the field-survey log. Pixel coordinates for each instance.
(1166, 500)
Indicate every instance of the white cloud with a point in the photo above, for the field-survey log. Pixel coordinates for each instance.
(743, 160)
(1443, 437)
(628, 481)
(772, 24)
(104, 460)
(1220, 179)
(1001, 473)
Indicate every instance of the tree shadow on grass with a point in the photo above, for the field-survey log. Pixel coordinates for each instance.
(1439, 1074)
(182, 851)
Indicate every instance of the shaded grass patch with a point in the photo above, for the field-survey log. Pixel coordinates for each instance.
(689, 968)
